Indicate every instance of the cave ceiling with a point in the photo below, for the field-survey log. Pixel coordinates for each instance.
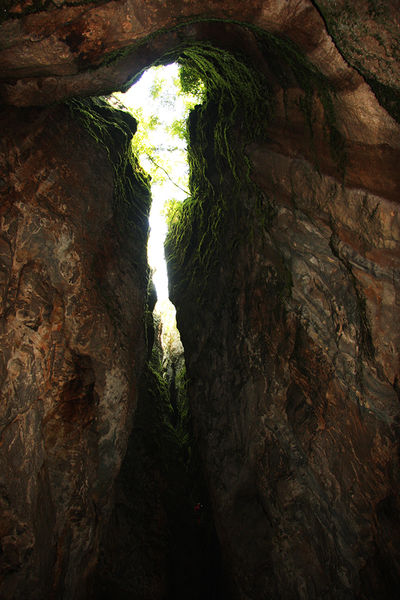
(50, 51)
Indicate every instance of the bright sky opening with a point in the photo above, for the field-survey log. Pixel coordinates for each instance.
(161, 109)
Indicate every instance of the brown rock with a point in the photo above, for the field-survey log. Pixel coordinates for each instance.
(46, 56)
(292, 349)
(291, 335)
(72, 348)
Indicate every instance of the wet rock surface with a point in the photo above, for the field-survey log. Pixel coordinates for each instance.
(72, 350)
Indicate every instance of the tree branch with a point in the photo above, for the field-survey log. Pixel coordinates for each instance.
(167, 174)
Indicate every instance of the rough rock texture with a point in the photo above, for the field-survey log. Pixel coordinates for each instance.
(156, 546)
(291, 340)
(135, 549)
(72, 347)
(368, 38)
(291, 334)
(90, 48)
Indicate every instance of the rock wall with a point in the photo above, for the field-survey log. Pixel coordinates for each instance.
(157, 546)
(52, 51)
(287, 295)
(286, 280)
(72, 346)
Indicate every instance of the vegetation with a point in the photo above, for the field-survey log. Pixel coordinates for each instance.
(164, 470)
(234, 94)
(238, 106)
(234, 107)
(112, 129)
(160, 140)
(161, 107)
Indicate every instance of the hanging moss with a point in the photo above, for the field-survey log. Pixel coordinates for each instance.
(236, 98)
(237, 108)
(163, 470)
(113, 130)
(289, 65)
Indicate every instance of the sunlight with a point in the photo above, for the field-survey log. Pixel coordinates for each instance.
(161, 109)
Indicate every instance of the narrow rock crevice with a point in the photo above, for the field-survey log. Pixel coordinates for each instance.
(161, 541)
(282, 479)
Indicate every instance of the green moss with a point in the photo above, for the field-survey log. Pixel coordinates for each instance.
(236, 102)
(237, 109)
(113, 129)
(168, 447)
(168, 437)
(289, 65)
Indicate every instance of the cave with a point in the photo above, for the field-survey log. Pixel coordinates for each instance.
(284, 270)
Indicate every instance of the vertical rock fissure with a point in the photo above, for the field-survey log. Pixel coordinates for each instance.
(279, 451)
(161, 541)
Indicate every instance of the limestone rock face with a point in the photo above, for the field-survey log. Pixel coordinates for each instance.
(72, 347)
(294, 374)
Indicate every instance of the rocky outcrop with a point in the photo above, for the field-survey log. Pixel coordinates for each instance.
(287, 295)
(367, 37)
(73, 243)
(285, 272)
(51, 51)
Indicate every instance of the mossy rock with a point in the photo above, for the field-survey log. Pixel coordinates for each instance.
(237, 109)
(113, 129)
